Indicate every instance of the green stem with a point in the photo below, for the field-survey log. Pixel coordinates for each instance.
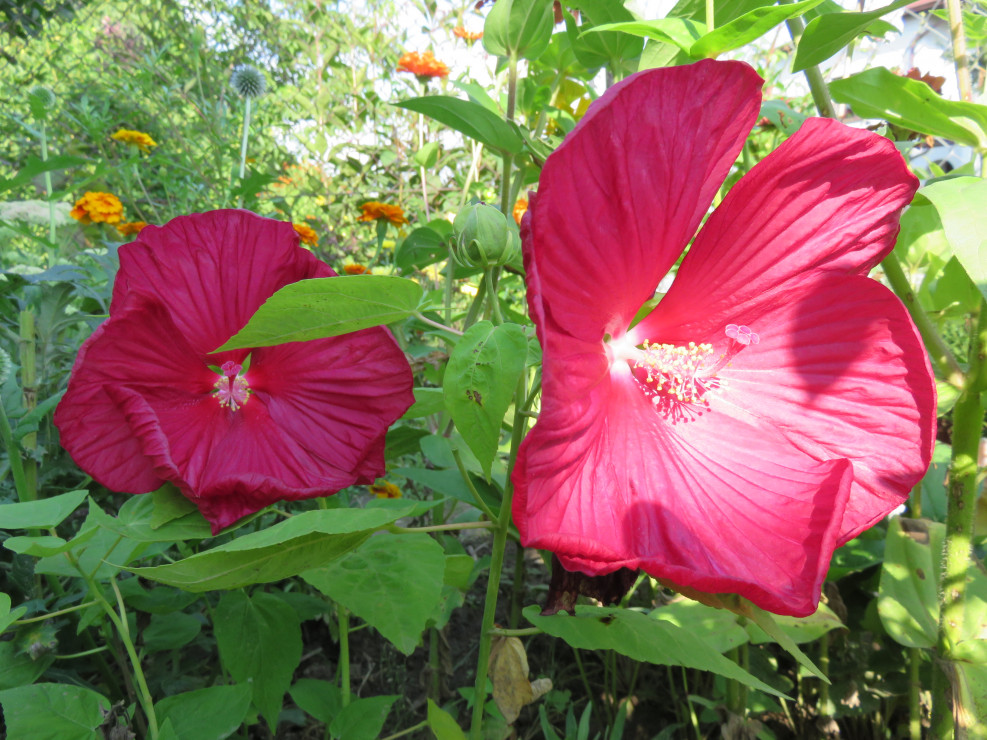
(817, 85)
(710, 15)
(408, 731)
(914, 694)
(421, 317)
(517, 587)
(29, 386)
(505, 184)
(469, 484)
(48, 190)
(59, 613)
(343, 617)
(440, 527)
(968, 417)
(490, 278)
(83, 654)
(959, 50)
(14, 455)
(733, 686)
(825, 707)
(941, 355)
(693, 719)
(524, 632)
(473, 313)
(243, 147)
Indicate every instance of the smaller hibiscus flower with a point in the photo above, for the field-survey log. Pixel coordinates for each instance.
(139, 139)
(356, 269)
(97, 208)
(131, 228)
(307, 234)
(377, 211)
(423, 65)
(461, 33)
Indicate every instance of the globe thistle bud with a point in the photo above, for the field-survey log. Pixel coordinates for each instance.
(4, 366)
(41, 100)
(248, 81)
(484, 238)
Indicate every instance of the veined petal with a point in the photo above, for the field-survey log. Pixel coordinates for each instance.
(620, 488)
(213, 271)
(828, 199)
(620, 199)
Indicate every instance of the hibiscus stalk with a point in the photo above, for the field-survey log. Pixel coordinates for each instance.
(343, 618)
(29, 386)
(968, 416)
(505, 183)
(960, 58)
(817, 85)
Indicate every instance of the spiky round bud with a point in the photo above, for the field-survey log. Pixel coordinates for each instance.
(484, 238)
(5, 365)
(41, 100)
(248, 81)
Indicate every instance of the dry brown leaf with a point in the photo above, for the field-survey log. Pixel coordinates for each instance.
(509, 674)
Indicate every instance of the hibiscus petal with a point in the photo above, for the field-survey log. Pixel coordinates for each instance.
(636, 178)
(213, 271)
(621, 488)
(828, 198)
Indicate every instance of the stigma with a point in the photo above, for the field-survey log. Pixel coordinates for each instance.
(232, 390)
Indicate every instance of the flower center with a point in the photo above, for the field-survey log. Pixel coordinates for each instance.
(232, 389)
(679, 380)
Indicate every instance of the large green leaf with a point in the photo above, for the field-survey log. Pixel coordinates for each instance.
(18, 668)
(479, 383)
(470, 119)
(682, 32)
(170, 631)
(45, 545)
(908, 598)
(215, 713)
(961, 202)
(747, 28)
(327, 307)
(301, 543)
(321, 699)
(422, 247)
(46, 512)
(387, 569)
(718, 628)
(136, 520)
(521, 28)
(770, 625)
(8, 616)
(826, 34)
(260, 643)
(442, 724)
(603, 47)
(879, 93)
(641, 637)
(362, 719)
(53, 711)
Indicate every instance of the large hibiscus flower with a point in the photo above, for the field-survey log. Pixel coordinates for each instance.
(289, 422)
(775, 403)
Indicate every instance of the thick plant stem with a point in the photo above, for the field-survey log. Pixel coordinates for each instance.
(710, 15)
(825, 705)
(29, 385)
(960, 59)
(968, 416)
(505, 184)
(817, 85)
(914, 694)
(490, 277)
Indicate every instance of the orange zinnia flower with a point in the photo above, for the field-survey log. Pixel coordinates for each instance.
(422, 65)
(356, 269)
(139, 139)
(131, 228)
(374, 211)
(520, 208)
(384, 489)
(94, 208)
(307, 234)
(462, 33)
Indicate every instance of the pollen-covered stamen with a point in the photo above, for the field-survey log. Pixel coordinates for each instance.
(232, 389)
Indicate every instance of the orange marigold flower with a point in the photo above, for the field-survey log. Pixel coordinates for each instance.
(384, 489)
(356, 269)
(461, 33)
(422, 64)
(374, 211)
(139, 139)
(94, 208)
(131, 228)
(520, 208)
(307, 234)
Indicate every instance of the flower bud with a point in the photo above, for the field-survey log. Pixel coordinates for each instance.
(5, 365)
(248, 81)
(483, 237)
(41, 100)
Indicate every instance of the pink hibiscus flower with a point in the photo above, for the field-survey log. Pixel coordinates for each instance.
(777, 401)
(290, 422)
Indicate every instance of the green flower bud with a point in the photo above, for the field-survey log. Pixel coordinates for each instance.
(4, 366)
(484, 237)
(248, 81)
(41, 100)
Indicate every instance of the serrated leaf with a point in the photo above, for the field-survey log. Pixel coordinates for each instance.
(46, 512)
(479, 383)
(827, 34)
(387, 569)
(470, 119)
(327, 307)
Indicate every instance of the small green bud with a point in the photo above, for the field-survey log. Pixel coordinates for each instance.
(4, 366)
(484, 237)
(41, 100)
(249, 82)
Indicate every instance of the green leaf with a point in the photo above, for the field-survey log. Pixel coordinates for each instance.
(428, 401)
(908, 597)
(718, 628)
(408, 569)
(170, 631)
(320, 699)
(157, 600)
(641, 637)
(135, 521)
(879, 93)
(428, 155)
(826, 34)
(17, 668)
(800, 629)
(422, 247)
(521, 28)
(782, 116)
(470, 119)
(960, 203)
(479, 384)
(442, 724)
(46, 512)
(53, 711)
(681, 32)
(301, 543)
(327, 307)
(769, 624)
(747, 28)
(36, 166)
(215, 713)
(362, 719)
(8, 617)
(45, 546)
(169, 504)
(970, 697)
(260, 643)
(604, 47)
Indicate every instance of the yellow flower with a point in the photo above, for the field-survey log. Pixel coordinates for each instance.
(520, 208)
(374, 211)
(131, 228)
(356, 269)
(139, 139)
(307, 234)
(383, 489)
(95, 208)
